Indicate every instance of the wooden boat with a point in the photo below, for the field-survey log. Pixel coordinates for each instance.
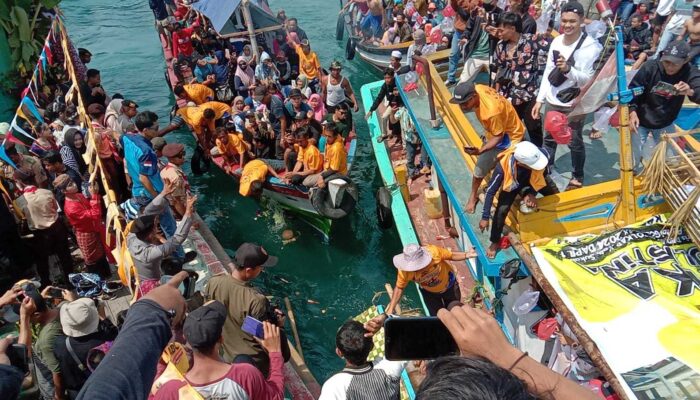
(377, 56)
(608, 209)
(293, 198)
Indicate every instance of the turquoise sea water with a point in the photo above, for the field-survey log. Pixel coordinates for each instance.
(341, 275)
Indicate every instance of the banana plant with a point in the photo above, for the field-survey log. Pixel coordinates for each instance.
(23, 36)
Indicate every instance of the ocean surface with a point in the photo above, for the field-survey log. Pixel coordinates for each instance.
(327, 282)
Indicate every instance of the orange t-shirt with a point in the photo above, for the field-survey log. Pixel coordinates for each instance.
(255, 170)
(497, 115)
(311, 157)
(335, 158)
(235, 145)
(198, 93)
(434, 278)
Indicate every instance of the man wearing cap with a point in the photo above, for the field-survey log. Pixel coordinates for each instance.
(194, 92)
(429, 267)
(39, 208)
(146, 249)
(295, 106)
(84, 328)
(502, 127)
(172, 172)
(563, 80)
(336, 89)
(213, 378)
(521, 170)
(241, 299)
(119, 114)
(309, 65)
(666, 84)
(462, 9)
(395, 63)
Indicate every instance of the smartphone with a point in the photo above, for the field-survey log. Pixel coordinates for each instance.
(467, 149)
(555, 55)
(55, 293)
(253, 327)
(417, 338)
(19, 356)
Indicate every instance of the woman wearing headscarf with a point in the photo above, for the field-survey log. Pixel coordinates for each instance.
(302, 84)
(85, 216)
(317, 106)
(244, 80)
(248, 55)
(238, 110)
(266, 70)
(72, 152)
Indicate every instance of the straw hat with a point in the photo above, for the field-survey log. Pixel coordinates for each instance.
(413, 258)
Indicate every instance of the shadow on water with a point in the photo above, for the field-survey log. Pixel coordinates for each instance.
(343, 275)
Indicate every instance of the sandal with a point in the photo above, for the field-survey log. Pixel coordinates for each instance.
(574, 184)
(595, 135)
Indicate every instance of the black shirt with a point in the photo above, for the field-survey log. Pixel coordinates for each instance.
(529, 24)
(655, 108)
(88, 98)
(73, 377)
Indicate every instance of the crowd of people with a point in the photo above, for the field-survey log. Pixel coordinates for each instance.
(276, 111)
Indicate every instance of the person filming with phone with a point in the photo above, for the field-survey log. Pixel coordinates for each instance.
(666, 83)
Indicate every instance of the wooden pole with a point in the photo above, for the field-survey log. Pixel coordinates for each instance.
(588, 345)
(390, 291)
(293, 322)
(251, 29)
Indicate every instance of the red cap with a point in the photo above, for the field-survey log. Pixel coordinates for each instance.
(557, 124)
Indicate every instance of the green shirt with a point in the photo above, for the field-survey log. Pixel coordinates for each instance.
(481, 51)
(44, 345)
(343, 126)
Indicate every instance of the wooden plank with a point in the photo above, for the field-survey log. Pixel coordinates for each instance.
(293, 322)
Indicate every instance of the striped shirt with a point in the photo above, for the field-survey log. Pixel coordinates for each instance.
(378, 381)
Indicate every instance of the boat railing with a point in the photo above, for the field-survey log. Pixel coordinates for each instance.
(591, 209)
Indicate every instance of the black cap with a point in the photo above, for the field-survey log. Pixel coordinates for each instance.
(295, 93)
(676, 52)
(203, 327)
(574, 7)
(463, 92)
(696, 7)
(143, 223)
(250, 255)
(300, 115)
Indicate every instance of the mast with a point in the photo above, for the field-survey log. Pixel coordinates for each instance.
(624, 96)
(251, 29)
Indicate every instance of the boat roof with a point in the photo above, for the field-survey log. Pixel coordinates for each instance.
(226, 16)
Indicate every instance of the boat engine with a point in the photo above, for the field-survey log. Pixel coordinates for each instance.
(337, 199)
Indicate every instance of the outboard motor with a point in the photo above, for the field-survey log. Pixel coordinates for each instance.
(337, 199)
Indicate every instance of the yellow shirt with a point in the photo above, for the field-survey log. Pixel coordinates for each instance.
(308, 63)
(220, 109)
(255, 170)
(434, 278)
(194, 117)
(497, 115)
(235, 145)
(336, 158)
(311, 157)
(198, 93)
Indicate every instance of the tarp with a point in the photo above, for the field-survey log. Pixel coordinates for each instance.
(226, 15)
(637, 297)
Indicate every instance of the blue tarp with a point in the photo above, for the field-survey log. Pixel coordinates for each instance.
(226, 16)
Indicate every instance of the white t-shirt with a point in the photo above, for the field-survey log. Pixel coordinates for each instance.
(377, 381)
(579, 75)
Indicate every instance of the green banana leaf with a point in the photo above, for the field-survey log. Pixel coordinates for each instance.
(21, 21)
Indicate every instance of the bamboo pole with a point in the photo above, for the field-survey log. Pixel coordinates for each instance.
(390, 291)
(251, 29)
(293, 322)
(588, 345)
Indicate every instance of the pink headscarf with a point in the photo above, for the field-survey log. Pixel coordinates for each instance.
(246, 74)
(320, 109)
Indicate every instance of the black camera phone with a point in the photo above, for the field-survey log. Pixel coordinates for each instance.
(19, 356)
(417, 338)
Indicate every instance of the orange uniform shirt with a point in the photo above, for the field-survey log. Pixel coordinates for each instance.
(434, 278)
(311, 157)
(497, 115)
(336, 158)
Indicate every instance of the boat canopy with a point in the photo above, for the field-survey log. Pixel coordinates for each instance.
(226, 16)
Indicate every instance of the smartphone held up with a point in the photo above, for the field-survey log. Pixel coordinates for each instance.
(417, 338)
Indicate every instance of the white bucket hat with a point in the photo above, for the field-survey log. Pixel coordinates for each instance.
(528, 154)
(396, 54)
(413, 258)
(79, 318)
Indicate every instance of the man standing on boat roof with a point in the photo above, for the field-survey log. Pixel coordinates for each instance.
(521, 170)
(502, 127)
(563, 79)
(429, 267)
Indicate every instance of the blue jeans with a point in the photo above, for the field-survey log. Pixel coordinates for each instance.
(455, 56)
(666, 38)
(168, 225)
(640, 138)
(411, 149)
(624, 10)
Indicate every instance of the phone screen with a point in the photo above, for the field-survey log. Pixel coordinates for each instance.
(18, 355)
(253, 327)
(55, 293)
(423, 338)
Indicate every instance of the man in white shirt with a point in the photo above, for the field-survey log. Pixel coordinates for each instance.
(361, 379)
(563, 79)
(679, 12)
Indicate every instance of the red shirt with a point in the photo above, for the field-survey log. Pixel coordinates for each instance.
(182, 42)
(84, 215)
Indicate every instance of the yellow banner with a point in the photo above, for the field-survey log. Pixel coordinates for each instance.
(637, 296)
